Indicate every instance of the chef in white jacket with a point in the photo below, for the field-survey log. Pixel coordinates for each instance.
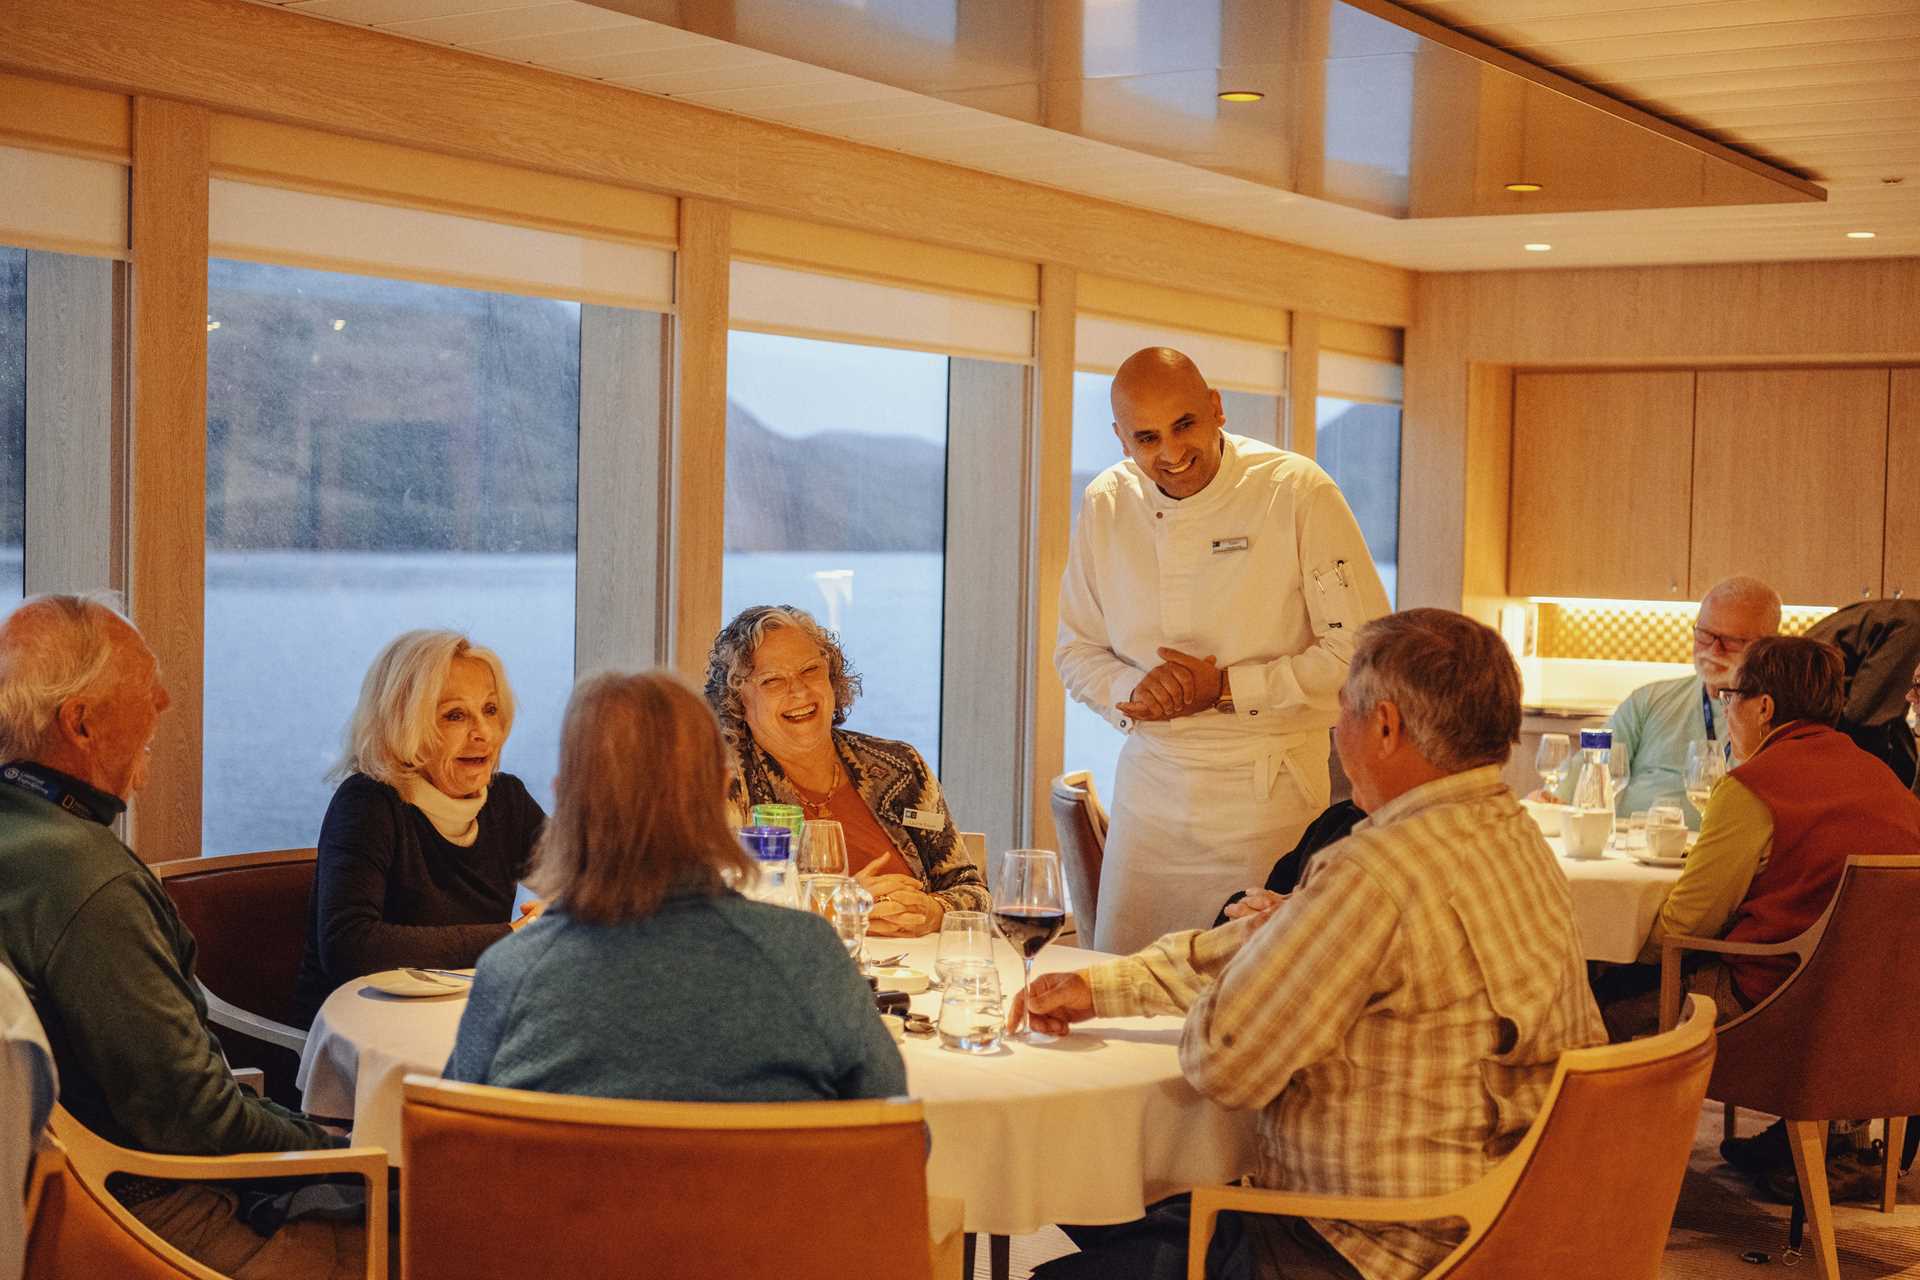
(1209, 608)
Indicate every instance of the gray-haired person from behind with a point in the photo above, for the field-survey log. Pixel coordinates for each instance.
(782, 687)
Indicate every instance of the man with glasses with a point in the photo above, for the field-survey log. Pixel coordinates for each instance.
(1658, 720)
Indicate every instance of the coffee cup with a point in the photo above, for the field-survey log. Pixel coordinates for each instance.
(1666, 840)
(1584, 832)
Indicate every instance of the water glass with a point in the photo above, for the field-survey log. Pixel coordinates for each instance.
(849, 908)
(972, 1008)
(1550, 761)
(966, 937)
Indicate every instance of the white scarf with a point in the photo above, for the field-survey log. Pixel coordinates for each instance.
(456, 819)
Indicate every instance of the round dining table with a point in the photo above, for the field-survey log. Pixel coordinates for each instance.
(1090, 1128)
(1615, 899)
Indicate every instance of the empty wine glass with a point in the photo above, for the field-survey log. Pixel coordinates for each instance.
(820, 864)
(1706, 765)
(1551, 762)
(966, 937)
(1029, 910)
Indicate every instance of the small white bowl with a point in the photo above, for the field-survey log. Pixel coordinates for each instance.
(1547, 816)
(900, 978)
(896, 1027)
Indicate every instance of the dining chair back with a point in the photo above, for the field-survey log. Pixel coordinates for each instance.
(1583, 1196)
(1080, 824)
(71, 1231)
(1839, 1039)
(802, 1190)
(248, 916)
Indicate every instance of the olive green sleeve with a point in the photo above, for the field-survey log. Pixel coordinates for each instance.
(137, 1027)
(1736, 834)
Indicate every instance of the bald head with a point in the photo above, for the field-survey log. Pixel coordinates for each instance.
(79, 690)
(1168, 420)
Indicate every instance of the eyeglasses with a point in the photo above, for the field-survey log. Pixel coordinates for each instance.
(1727, 696)
(778, 684)
(1705, 639)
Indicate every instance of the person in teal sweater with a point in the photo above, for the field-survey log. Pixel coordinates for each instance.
(648, 977)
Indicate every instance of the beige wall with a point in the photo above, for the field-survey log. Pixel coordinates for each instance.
(1471, 329)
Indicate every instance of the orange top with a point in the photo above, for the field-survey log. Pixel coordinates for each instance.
(866, 838)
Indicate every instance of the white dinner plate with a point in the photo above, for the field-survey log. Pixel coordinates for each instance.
(398, 982)
(1648, 860)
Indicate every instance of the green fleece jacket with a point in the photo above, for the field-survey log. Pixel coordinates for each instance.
(109, 968)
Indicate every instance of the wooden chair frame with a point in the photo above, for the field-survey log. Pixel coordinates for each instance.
(1807, 1138)
(562, 1109)
(220, 1012)
(1480, 1203)
(92, 1158)
(1078, 787)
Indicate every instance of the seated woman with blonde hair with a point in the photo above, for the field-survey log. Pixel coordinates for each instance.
(648, 977)
(782, 687)
(424, 841)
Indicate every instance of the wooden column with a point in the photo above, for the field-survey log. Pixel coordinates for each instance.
(697, 535)
(1051, 502)
(1303, 384)
(168, 454)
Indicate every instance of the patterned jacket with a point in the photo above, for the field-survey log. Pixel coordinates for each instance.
(892, 778)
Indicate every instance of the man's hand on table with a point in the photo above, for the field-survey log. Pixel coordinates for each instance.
(1258, 902)
(1055, 1002)
(1182, 685)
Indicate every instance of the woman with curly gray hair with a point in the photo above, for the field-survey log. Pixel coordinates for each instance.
(782, 687)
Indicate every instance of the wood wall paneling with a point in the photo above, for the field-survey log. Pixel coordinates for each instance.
(1301, 407)
(983, 701)
(1767, 490)
(1901, 573)
(620, 573)
(698, 449)
(1051, 479)
(1490, 452)
(65, 117)
(168, 525)
(255, 60)
(1602, 484)
(76, 463)
(1433, 444)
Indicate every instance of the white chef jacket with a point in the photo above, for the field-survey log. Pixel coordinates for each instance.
(28, 1087)
(1266, 570)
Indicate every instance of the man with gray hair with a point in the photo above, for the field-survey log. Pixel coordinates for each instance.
(1397, 1018)
(1658, 720)
(98, 946)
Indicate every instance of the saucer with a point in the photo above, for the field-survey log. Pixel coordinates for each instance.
(1648, 860)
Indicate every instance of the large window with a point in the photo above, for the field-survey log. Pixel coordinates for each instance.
(381, 455)
(836, 503)
(1359, 445)
(13, 423)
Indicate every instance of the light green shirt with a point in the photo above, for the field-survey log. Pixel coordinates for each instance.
(1655, 724)
(1734, 843)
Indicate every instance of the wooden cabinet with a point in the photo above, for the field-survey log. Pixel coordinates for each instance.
(1789, 481)
(1901, 577)
(1602, 468)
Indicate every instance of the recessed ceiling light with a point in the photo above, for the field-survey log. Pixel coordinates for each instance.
(1536, 247)
(1523, 186)
(1241, 95)
(1859, 235)
(338, 325)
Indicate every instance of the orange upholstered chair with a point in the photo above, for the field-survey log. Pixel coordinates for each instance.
(1839, 1039)
(248, 915)
(1080, 824)
(77, 1229)
(500, 1180)
(1587, 1195)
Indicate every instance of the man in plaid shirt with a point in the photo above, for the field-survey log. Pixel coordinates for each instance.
(1397, 1018)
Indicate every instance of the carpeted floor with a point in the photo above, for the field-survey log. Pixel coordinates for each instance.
(1717, 1220)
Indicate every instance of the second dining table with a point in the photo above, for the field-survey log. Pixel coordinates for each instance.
(1088, 1128)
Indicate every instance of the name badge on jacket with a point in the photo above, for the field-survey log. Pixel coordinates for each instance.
(1223, 545)
(922, 820)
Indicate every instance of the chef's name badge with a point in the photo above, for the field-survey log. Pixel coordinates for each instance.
(921, 820)
(1222, 546)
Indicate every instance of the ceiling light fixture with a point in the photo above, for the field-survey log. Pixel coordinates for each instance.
(1859, 235)
(338, 325)
(1536, 247)
(1523, 187)
(1241, 95)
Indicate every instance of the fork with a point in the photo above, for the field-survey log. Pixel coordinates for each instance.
(437, 975)
(886, 962)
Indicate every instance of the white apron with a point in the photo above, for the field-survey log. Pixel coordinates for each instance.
(1187, 831)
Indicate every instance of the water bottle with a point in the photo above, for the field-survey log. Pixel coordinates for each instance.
(772, 849)
(1594, 790)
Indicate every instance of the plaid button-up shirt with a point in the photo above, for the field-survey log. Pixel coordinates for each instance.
(1397, 1020)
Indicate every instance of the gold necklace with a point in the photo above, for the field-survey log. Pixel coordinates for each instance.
(815, 808)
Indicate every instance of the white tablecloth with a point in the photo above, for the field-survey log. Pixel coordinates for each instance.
(1614, 901)
(1091, 1128)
